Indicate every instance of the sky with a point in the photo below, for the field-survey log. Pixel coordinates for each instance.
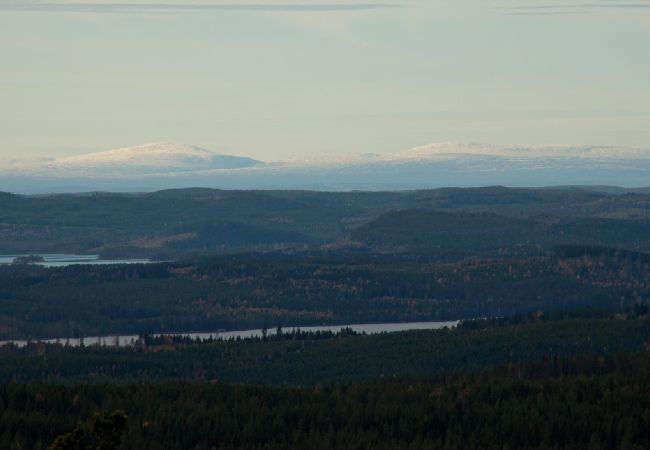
(300, 78)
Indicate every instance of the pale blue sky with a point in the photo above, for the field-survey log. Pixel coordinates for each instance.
(302, 79)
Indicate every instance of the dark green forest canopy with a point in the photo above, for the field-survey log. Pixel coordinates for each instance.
(252, 259)
(478, 234)
(176, 223)
(256, 290)
(308, 359)
(589, 402)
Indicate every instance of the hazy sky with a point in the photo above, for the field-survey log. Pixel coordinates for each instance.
(301, 78)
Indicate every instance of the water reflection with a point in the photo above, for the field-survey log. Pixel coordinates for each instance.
(127, 340)
(68, 259)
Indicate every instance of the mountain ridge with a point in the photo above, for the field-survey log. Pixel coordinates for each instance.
(152, 157)
(163, 165)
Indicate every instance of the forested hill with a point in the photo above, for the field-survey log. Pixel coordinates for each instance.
(174, 223)
(569, 381)
(270, 289)
(431, 231)
(303, 359)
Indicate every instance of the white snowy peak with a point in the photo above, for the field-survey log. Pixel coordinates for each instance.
(457, 150)
(157, 156)
(167, 159)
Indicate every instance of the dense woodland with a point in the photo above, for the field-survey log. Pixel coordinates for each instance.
(430, 231)
(256, 290)
(583, 403)
(176, 223)
(553, 286)
(306, 359)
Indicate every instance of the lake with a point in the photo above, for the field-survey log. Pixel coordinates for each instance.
(64, 259)
(126, 340)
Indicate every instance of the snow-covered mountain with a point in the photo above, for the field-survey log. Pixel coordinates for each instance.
(168, 165)
(471, 152)
(154, 158)
(454, 150)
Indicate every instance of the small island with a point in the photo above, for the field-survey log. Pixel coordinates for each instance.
(29, 259)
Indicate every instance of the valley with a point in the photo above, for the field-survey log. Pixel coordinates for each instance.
(449, 299)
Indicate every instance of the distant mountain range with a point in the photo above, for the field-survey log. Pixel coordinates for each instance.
(163, 165)
(159, 158)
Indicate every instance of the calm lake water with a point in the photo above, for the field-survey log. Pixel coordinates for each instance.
(62, 259)
(125, 340)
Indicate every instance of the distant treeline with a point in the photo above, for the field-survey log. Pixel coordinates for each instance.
(303, 359)
(269, 289)
(575, 251)
(554, 284)
(444, 223)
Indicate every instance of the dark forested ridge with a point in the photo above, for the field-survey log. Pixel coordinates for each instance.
(478, 234)
(256, 290)
(570, 404)
(553, 286)
(188, 221)
(308, 359)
